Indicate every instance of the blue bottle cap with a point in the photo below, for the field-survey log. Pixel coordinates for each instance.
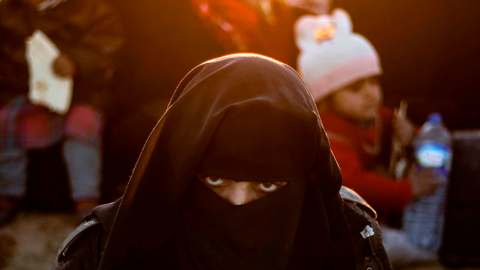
(434, 117)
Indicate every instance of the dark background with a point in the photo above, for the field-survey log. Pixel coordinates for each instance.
(430, 54)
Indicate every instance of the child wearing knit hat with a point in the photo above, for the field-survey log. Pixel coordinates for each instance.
(341, 69)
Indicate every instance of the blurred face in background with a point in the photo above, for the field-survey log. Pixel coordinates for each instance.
(358, 101)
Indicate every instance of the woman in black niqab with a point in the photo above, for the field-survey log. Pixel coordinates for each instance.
(246, 118)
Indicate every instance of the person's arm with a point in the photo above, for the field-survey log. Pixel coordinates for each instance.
(379, 191)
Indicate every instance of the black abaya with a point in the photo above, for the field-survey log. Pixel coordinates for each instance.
(247, 118)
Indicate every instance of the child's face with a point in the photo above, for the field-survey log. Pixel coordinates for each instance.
(358, 101)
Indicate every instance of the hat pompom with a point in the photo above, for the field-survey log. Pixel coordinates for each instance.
(307, 30)
(342, 21)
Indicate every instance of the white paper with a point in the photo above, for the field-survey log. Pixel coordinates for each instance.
(45, 87)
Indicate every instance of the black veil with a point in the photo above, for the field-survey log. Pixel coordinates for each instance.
(243, 117)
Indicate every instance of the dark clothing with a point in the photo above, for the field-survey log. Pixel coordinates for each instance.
(85, 251)
(88, 31)
(246, 118)
(369, 251)
(220, 122)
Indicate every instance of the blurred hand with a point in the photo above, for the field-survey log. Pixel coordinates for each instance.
(64, 66)
(403, 129)
(424, 182)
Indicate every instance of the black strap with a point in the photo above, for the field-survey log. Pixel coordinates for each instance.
(62, 251)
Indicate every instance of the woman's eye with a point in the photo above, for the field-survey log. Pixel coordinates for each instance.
(213, 181)
(268, 186)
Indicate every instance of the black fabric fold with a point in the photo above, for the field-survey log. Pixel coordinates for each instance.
(257, 235)
(105, 214)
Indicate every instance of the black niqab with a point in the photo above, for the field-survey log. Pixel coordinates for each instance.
(241, 117)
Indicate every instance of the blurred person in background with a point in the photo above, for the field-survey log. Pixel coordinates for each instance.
(213, 189)
(341, 69)
(88, 34)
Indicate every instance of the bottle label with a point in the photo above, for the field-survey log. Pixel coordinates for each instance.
(433, 155)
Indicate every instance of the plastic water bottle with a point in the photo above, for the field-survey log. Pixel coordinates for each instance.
(423, 219)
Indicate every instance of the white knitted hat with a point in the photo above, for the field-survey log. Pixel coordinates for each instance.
(331, 55)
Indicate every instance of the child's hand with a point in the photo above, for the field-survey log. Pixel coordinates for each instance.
(63, 66)
(423, 182)
(403, 129)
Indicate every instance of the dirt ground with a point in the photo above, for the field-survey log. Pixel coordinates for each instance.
(32, 240)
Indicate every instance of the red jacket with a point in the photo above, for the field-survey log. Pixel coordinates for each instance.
(359, 150)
